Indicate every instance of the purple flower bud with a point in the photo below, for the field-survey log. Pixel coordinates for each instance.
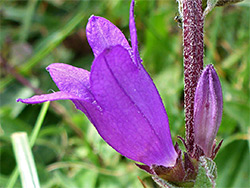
(208, 106)
(118, 96)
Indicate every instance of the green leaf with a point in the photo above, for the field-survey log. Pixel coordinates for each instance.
(239, 112)
(210, 5)
(162, 183)
(233, 162)
(227, 2)
(207, 173)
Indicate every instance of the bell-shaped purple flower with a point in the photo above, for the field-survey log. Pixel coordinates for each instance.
(208, 105)
(118, 96)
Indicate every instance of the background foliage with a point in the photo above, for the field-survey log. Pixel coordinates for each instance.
(68, 151)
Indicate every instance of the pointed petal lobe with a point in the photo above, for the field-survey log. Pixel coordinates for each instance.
(71, 79)
(73, 83)
(48, 97)
(102, 34)
(133, 35)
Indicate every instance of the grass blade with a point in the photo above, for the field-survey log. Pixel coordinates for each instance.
(51, 43)
(25, 161)
(27, 19)
(33, 137)
(38, 123)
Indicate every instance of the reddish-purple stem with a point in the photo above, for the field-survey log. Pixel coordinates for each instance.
(193, 60)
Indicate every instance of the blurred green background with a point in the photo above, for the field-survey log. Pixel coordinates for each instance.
(68, 151)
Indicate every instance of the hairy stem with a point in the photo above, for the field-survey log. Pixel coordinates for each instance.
(193, 60)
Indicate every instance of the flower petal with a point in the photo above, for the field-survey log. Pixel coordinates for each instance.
(60, 95)
(102, 34)
(71, 79)
(80, 103)
(208, 106)
(133, 34)
(133, 119)
(73, 83)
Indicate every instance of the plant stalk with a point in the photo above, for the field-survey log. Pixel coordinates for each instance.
(193, 22)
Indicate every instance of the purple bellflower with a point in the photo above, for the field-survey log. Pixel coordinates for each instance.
(208, 104)
(117, 95)
(120, 99)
